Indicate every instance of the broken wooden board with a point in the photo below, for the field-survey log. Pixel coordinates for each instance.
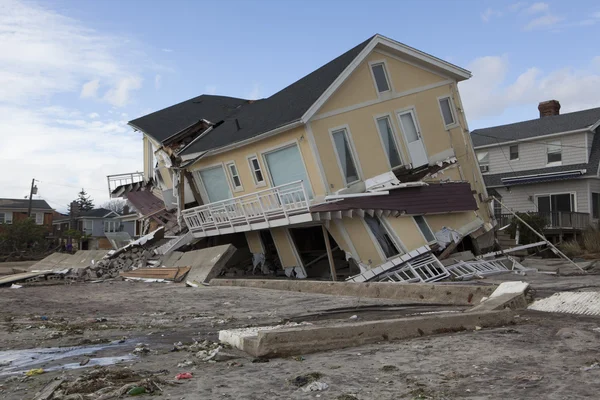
(48, 390)
(206, 263)
(175, 274)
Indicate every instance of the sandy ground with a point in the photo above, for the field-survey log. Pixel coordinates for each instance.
(543, 356)
(7, 268)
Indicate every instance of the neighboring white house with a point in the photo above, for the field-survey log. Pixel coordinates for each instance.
(547, 165)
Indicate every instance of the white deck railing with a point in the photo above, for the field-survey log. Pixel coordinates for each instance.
(276, 206)
(114, 181)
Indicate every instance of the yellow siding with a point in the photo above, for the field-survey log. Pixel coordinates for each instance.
(146, 157)
(284, 248)
(166, 175)
(365, 136)
(254, 242)
(453, 220)
(407, 231)
(363, 243)
(240, 157)
(337, 235)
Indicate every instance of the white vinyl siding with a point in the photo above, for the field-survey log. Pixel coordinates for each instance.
(532, 155)
(523, 197)
(6, 217)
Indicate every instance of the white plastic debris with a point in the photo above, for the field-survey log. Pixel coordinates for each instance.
(15, 286)
(315, 386)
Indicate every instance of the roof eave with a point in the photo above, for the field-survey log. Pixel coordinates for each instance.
(529, 139)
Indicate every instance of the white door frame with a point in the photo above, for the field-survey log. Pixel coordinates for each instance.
(416, 157)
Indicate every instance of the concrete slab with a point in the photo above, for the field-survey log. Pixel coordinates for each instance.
(285, 341)
(50, 262)
(507, 295)
(61, 261)
(411, 293)
(171, 259)
(206, 263)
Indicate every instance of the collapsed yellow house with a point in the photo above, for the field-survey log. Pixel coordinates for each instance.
(369, 155)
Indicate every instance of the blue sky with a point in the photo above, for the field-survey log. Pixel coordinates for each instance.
(73, 72)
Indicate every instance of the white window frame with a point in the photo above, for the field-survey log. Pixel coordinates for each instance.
(203, 191)
(434, 240)
(390, 90)
(518, 152)
(553, 143)
(573, 194)
(253, 171)
(452, 111)
(5, 219)
(283, 146)
(91, 229)
(230, 174)
(39, 218)
(413, 111)
(353, 153)
(392, 235)
(479, 163)
(399, 148)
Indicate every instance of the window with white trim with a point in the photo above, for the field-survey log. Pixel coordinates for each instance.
(484, 161)
(448, 113)
(514, 152)
(382, 236)
(257, 173)
(388, 139)
(6, 217)
(381, 78)
(235, 177)
(345, 155)
(554, 152)
(595, 205)
(39, 218)
(424, 228)
(88, 225)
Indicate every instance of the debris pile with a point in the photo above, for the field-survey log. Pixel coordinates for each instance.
(110, 267)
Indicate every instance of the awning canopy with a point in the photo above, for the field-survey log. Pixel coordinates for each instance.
(538, 178)
(432, 199)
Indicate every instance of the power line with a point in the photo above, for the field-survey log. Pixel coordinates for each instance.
(70, 186)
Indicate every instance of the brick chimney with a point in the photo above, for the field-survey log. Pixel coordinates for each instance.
(549, 108)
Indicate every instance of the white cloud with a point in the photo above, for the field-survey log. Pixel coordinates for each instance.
(489, 94)
(255, 93)
(157, 81)
(537, 8)
(517, 6)
(489, 13)
(167, 50)
(544, 21)
(93, 115)
(119, 95)
(90, 89)
(210, 89)
(43, 53)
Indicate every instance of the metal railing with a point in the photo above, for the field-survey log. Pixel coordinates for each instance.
(553, 220)
(266, 205)
(114, 181)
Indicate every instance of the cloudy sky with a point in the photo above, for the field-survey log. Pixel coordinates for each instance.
(72, 73)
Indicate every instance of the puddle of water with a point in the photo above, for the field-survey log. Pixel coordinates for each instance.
(19, 361)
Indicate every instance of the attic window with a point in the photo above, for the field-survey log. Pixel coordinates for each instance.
(380, 76)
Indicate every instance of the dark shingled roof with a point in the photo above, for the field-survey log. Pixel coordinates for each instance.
(168, 121)
(253, 118)
(17, 204)
(495, 180)
(432, 199)
(95, 213)
(536, 127)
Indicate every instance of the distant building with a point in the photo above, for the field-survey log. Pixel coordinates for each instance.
(12, 210)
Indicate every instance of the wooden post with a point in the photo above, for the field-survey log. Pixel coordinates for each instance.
(329, 253)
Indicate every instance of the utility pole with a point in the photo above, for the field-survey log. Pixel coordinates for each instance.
(31, 193)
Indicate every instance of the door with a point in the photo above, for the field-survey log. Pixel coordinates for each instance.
(558, 208)
(286, 166)
(414, 141)
(215, 184)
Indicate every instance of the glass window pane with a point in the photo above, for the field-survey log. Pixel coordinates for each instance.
(389, 144)
(236, 181)
(447, 111)
(215, 184)
(345, 156)
(544, 204)
(409, 127)
(1, 218)
(382, 236)
(380, 78)
(483, 158)
(514, 152)
(424, 228)
(595, 205)
(286, 166)
(258, 176)
(554, 151)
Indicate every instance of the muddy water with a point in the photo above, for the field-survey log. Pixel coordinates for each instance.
(57, 358)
